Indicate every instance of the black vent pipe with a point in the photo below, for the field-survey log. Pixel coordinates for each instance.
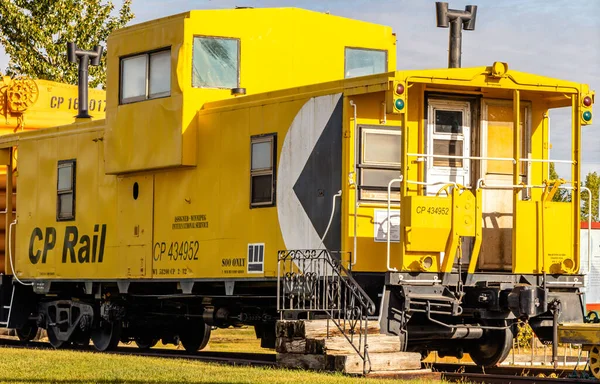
(86, 58)
(457, 20)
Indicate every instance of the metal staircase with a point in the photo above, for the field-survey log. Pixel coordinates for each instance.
(314, 283)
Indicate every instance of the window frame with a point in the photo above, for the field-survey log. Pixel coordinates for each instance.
(386, 65)
(272, 138)
(63, 164)
(239, 59)
(147, 95)
(363, 165)
(451, 106)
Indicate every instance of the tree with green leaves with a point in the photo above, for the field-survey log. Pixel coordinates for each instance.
(592, 181)
(35, 33)
(562, 194)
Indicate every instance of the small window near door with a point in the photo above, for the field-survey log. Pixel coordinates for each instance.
(65, 202)
(379, 162)
(448, 122)
(262, 170)
(448, 138)
(363, 62)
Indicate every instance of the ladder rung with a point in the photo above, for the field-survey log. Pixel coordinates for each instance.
(7, 307)
(3, 322)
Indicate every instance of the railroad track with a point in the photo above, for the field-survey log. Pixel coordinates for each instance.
(233, 358)
(481, 378)
(449, 372)
(510, 374)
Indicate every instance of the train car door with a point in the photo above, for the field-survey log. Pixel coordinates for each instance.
(135, 223)
(448, 134)
(497, 141)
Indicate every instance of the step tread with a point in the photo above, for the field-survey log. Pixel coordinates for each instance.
(315, 329)
(386, 361)
(337, 345)
(352, 363)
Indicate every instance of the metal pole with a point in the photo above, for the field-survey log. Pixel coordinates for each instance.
(83, 86)
(86, 58)
(457, 20)
(455, 44)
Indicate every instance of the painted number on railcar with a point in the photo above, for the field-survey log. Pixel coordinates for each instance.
(432, 210)
(176, 251)
(95, 105)
(76, 247)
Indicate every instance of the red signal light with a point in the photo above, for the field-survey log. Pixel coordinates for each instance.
(400, 89)
(587, 101)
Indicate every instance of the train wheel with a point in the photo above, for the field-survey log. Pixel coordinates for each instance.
(145, 342)
(27, 332)
(195, 337)
(595, 361)
(493, 348)
(106, 337)
(53, 339)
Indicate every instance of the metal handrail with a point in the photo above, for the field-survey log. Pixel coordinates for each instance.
(317, 282)
(426, 155)
(514, 161)
(389, 203)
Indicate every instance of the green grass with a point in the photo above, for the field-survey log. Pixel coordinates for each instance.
(241, 339)
(235, 340)
(71, 367)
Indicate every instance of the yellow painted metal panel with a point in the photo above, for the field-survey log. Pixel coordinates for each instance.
(427, 222)
(67, 249)
(273, 41)
(586, 334)
(199, 217)
(49, 104)
(542, 242)
(135, 201)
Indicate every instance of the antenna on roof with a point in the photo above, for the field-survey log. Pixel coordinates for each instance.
(458, 20)
(86, 58)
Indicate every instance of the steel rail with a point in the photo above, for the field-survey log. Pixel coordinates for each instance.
(485, 378)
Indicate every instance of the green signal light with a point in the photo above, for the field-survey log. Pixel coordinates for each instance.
(587, 116)
(399, 104)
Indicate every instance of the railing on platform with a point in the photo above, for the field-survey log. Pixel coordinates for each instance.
(315, 281)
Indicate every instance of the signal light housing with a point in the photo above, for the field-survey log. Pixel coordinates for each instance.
(586, 109)
(396, 97)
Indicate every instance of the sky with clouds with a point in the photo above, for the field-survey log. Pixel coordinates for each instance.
(554, 38)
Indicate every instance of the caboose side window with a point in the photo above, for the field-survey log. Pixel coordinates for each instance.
(363, 62)
(262, 170)
(146, 76)
(215, 62)
(379, 161)
(65, 188)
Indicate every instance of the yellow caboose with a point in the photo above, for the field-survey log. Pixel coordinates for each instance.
(191, 206)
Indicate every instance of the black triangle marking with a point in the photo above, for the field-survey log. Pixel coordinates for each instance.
(321, 178)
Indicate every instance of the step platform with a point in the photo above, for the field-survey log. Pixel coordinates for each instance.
(320, 345)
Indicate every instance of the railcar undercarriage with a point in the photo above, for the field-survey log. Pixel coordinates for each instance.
(428, 311)
(436, 312)
(73, 314)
